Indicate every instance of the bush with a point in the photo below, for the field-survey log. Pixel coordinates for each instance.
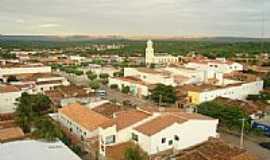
(114, 86)
(94, 84)
(125, 89)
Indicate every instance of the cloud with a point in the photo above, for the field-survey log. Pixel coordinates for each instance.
(168, 17)
(20, 21)
(49, 25)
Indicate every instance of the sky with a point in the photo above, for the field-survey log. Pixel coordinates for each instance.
(136, 17)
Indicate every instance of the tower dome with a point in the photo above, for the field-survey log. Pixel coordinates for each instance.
(149, 43)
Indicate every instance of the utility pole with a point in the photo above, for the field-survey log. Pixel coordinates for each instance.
(242, 133)
(160, 100)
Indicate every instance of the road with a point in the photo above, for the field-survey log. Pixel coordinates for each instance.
(250, 145)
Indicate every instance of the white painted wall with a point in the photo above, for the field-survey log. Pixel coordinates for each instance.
(234, 92)
(76, 128)
(25, 70)
(7, 101)
(190, 133)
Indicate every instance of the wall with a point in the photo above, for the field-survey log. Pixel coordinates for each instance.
(25, 70)
(7, 101)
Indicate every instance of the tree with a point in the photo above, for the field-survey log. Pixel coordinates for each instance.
(125, 89)
(45, 129)
(134, 153)
(91, 76)
(164, 94)
(229, 116)
(94, 84)
(266, 80)
(114, 86)
(29, 107)
(104, 76)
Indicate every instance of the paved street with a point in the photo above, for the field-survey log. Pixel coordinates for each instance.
(251, 146)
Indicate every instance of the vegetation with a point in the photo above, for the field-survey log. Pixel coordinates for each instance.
(266, 80)
(91, 76)
(163, 94)
(94, 84)
(208, 47)
(125, 89)
(114, 86)
(260, 97)
(30, 113)
(134, 153)
(229, 116)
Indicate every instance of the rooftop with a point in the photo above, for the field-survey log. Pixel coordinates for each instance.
(8, 88)
(24, 149)
(12, 133)
(167, 119)
(82, 115)
(214, 149)
(126, 118)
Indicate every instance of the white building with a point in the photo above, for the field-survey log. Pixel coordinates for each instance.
(98, 70)
(151, 76)
(80, 120)
(136, 86)
(219, 65)
(203, 93)
(157, 131)
(36, 150)
(24, 69)
(158, 58)
(8, 96)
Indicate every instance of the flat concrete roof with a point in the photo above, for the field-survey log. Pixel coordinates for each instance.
(36, 150)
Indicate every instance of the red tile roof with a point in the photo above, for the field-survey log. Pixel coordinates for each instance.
(82, 115)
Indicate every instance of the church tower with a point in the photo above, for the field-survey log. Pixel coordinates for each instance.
(149, 53)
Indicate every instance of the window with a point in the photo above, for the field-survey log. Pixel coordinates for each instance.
(176, 138)
(110, 139)
(163, 140)
(170, 142)
(135, 137)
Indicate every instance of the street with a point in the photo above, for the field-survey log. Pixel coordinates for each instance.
(251, 146)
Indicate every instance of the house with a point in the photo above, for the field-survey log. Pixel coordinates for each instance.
(156, 131)
(8, 96)
(213, 149)
(64, 95)
(212, 66)
(80, 120)
(33, 150)
(41, 82)
(10, 134)
(207, 92)
(136, 86)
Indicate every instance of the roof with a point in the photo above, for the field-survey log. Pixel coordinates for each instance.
(84, 116)
(8, 134)
(167, 119)
(126, 118)
(131, 79)
(158, 124)
(8, 88)
(214, 149)
(109, 109)
(115, 152)
(24, 149)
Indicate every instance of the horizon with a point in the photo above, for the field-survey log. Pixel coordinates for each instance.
(173, 18)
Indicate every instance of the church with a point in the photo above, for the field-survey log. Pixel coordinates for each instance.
(158, 58)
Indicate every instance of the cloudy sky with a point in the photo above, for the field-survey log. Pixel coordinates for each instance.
(132, 17)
